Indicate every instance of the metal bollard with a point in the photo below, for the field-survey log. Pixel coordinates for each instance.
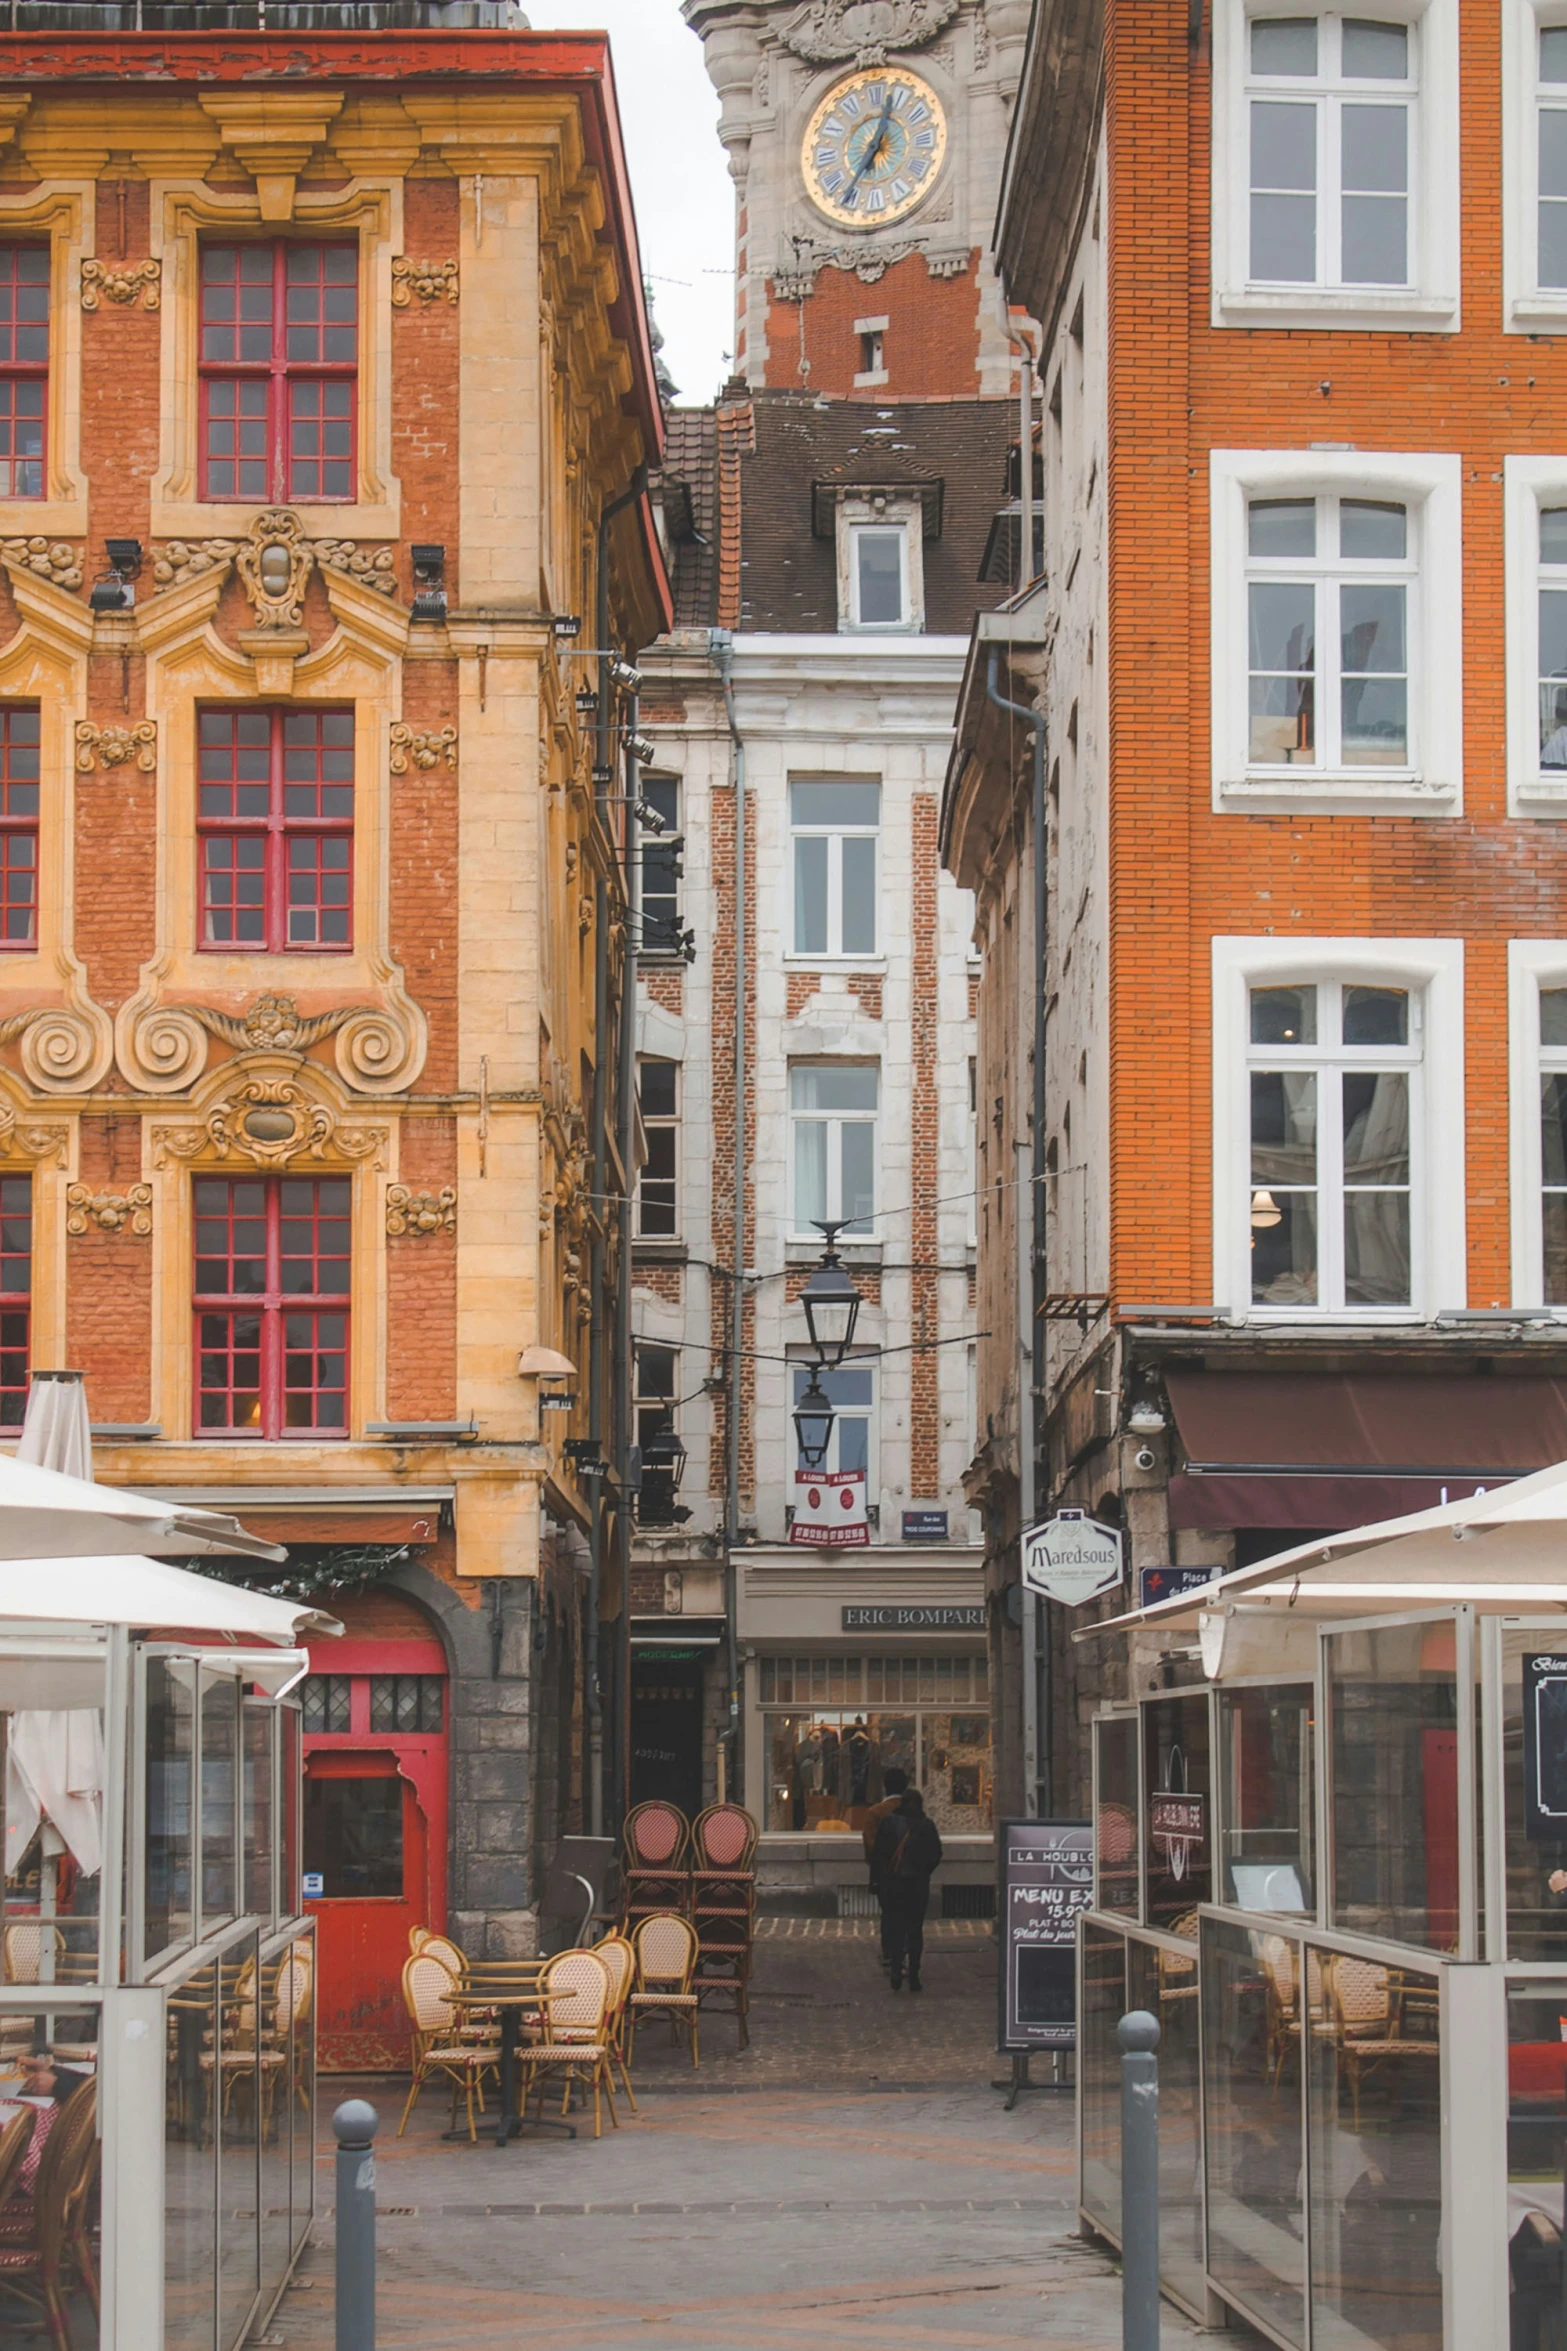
(355, 2123)
(1138, 2035)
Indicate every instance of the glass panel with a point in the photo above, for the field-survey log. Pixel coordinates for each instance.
(828, 1086)
(1536, 2157)
(1552, 210)
(276, 2128)
(1284, 1016)
(1278, 527)
(1375, 686)
(810, 894)
(289, 1794)
(956, 1775)
(1553, 53)
(1282, 705)
(169, 1769)
(354, 1836)
(810, 1173)
(1165, 1983)
(1375, 52)
(859, 895)
(1283, 1208)
(1376, 1249)
(1286, 44)
(1371, 531)
(1283, 202)
(1534, 1780)
(1266, 1739)
(1375, 226)
(835, 805)
(1099, 2065)
(879, 556)
(1394, 1783)
(190, 2243)
(1116, 1829)
(1256, 2220)
(1178, 1821)
(259, 1774)
(1374, 2118)
(302, 2104)
(219, 1793)
(858, 1192)
(1376, 1016)
(1553, 1016)
(827, 1768)
(239, 2096)
(1376, 1127)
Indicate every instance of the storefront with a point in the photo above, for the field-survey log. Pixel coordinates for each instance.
(851, 1672)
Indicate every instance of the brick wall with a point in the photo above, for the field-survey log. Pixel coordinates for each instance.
(421, 1286)
(930, 349)
(109, 1282)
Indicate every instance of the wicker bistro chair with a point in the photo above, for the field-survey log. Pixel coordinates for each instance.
(574, 2003)
(1364, 2021)
(655, 1865)
(466, 2024)
(51, 2243)
(434, 2048)
(621, 1961)
(666, 1949)
(723, 1908)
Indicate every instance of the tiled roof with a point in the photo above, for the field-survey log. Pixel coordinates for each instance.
(690, 493)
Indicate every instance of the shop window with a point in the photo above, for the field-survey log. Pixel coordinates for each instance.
(834, 828)
(272, 1301)
(852, 1393)
(16, 1283)
(1266, 1748)
(409, 1703)
(832, 1109)
(844, 1722)
(275, 822)
(1178, 1796)
(1394, 1783)
(661, 870)
(324, 1700)
(279, 371)
(658, 1184)
(24, 368)
(19, 755)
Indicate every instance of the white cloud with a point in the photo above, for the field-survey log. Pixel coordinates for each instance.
(679, 176)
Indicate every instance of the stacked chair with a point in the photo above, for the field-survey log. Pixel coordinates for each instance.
(723, 1908)
(656, 1868)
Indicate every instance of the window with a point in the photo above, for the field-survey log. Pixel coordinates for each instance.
(406, 1702)
(1534, 163)
(878, 592)
(24, 368)
(19, 744)
(1337, 630)
(844, 1722)
(16, 1283)
(324, 1701)
(276, 825)
(1325, 206)
(658, 1186)
(834, 827)
(852, 1393)
(1536, 540)
(279, 358)
(1551, 132)
(272, 1296)
(833, 1110)
(661, 870)
(1332, 1066)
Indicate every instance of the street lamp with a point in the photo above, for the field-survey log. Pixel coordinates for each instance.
(813, 1419)
(832, 1304)
(663, 1467)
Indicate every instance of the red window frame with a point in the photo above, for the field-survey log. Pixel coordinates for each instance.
(16, 1285)
(24, 370)
(279, 371)
(271, 1305)
(275, 831)
(19, 788)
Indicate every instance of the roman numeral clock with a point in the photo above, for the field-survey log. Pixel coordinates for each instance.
(873, 147)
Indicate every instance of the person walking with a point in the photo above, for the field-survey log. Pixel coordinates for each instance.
(906, 1855)
(894, 1781)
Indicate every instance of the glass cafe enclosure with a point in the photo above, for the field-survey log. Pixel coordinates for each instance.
(1336, 1871)
(157, 2068)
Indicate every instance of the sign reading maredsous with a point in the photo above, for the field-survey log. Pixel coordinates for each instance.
(914, 1620)
(1047, 1877)
(1071, 1558)
(829, 1510)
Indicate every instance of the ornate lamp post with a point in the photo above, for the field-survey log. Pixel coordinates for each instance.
(832, 1304)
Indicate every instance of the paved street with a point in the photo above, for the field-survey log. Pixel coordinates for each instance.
(853, 2171)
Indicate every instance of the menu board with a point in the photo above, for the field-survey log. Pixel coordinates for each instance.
(1545, 1746)
(1047, 1877)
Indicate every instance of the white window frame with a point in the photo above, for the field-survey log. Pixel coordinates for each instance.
(868, 1363)
(1431, 487)
(833, 1120)
(856, 959)
(1527, 307)
(1431, 300)
(1530, 483)
(879, 512)
(662, 1126)
(1532, 966)
(1433, 969)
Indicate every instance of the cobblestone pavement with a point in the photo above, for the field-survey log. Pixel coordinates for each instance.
(852, 2171)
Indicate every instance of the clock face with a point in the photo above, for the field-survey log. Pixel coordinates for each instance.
(874, 147)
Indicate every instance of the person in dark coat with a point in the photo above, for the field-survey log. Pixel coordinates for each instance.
(894, 1781)
(906, 1855)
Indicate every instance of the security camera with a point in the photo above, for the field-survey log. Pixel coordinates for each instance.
(1144, 1457)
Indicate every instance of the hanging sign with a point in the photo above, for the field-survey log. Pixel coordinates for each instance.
(1071, 1558)
(829, 1510)
(1047, 1878)
(1545, 1746)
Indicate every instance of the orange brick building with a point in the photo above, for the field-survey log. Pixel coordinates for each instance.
(1303, 948)
(325, 381)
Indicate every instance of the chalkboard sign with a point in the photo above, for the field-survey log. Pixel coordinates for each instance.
(1047, 1878)
(1545, 1746)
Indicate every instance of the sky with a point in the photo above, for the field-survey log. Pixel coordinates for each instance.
(679, 176)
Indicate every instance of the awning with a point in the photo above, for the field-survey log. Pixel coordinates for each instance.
(1319, 1450)
(301, 1514)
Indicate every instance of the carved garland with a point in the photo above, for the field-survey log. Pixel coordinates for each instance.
(825, 32)
(416, 1215)
(57, 560)
(110, 1212)
(116, 746)
(179, 561)
(121, 286)
(429, 281)
(422, 747)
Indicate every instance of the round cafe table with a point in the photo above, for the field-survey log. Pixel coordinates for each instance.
(508, 1988)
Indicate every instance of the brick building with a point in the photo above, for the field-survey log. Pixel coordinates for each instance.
(1296, 647)
(326, 379)
(831, 529)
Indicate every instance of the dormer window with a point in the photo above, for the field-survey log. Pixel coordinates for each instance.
(880, 572)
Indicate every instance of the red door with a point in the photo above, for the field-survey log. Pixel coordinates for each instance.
(374, 1853)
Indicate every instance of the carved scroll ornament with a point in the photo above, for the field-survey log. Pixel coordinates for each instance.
(380, 1047)
(274, 561)
(62, 1047)
(422, 747)
(109, 1212)
(428, 281)
(116, 746)
(828, 32)
(121, 286)
(271, 1119)
(416, 1215)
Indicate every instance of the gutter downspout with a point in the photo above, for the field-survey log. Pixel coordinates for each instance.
(598, 1115)
(625, 1382)
(1038, 1691)
(730, 1743)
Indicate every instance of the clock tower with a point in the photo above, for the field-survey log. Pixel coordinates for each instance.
(866, 139)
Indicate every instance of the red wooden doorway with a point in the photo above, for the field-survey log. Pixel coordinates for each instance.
(374, 1856)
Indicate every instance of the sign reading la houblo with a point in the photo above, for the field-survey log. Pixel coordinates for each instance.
(1071, 1558)
(1047, 1877)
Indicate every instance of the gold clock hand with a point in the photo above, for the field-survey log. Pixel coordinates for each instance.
(872, 152)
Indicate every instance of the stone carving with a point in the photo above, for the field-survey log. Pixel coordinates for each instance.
(372, 565)
(380, 1047)
(422, 747)
(116, 746)
(274, 1024)
(429, 281)
(183, 560)
(828, 32)
(52, 559)
(418, 1214)
(19, 1141)
(110, 1212)
(122, 286)
(274, 561)
(796, 284)
(62, 1047)
(270, 1120)
(179, 561)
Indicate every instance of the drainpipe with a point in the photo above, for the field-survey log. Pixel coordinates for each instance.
(1038, 1693)
(1028, 336)
(599, 1131)
(732, 1741)
(625, 1384)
